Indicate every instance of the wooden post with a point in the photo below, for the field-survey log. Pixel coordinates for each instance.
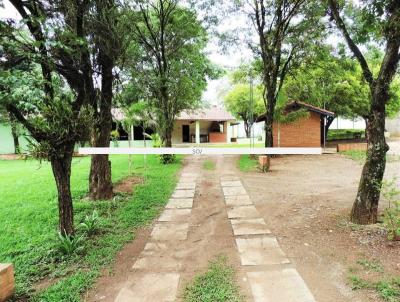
(7, 285)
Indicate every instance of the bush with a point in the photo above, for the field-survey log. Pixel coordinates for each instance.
(90, 224)
(69, 245)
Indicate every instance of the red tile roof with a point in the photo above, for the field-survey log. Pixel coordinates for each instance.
(296, 105)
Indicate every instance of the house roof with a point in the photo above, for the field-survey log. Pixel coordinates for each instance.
(296, 105)
(213, 113)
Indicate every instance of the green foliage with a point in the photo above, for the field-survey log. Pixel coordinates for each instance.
(371, 265)
(247, 164)
(391, 216)
(388, 289)
(28, 190)
(239, 104)
(217, 284)
(358, 283)
(335, 82)
(68, 245)
(171, 73)
(91, 223)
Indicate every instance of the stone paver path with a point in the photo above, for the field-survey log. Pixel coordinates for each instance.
(271, 278)
(210, 213)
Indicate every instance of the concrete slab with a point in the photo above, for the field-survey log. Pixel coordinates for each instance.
(229, 178)
(173, 231)
(183, 194)
(150, 288)
(156, 263)
(260, 251)
(186, 185)
(284, 286)
(189, 174)
(175, 215)
(238, 200)
(229, 191)
(187, 179)
(254, 226)
(179, 203)
(231, 183)
(243, 212)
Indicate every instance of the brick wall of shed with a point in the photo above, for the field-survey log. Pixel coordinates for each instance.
(304, 132)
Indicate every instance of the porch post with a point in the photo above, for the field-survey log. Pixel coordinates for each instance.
(228, 132)
(197, 132)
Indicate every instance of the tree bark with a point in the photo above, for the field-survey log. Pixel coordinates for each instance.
(100, 184)
(246, 128)
(365, 207)
(61, 166)
(14, 133)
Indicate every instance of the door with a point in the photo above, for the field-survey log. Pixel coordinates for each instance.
(185, 134)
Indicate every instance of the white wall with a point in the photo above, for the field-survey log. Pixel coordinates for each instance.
(342, 123)
(393, 126)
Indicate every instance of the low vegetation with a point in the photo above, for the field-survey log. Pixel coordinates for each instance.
(217, 284)
(369, 274)
(360, 156)
(69, 266)
(247, 163)
(338, 134)
(209, 165)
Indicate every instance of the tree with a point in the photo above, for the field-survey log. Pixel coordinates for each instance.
(69, 39)
(333, 81)
(239, 104)
(107, 29)
(286, 30)
(378, 20)
(51, 114)
(172, 68)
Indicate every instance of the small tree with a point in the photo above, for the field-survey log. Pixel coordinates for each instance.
(172, 67)
(239, 104)
(286, 31)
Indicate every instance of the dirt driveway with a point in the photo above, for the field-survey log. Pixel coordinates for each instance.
(305, 201)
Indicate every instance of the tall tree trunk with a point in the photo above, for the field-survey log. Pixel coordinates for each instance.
(100, 184)
(365, 208)
(269, 134)
(246, 128)
(61, 166)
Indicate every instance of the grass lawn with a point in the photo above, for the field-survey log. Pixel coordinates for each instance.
(247, 164)
(360, 156)
(218, 283)
(29, 218)
(209, 165)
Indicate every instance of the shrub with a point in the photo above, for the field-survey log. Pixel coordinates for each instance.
(91, 223)
(69, 245)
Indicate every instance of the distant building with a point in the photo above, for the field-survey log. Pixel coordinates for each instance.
(303, 132)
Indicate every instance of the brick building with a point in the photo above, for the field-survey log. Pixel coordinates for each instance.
(304, 132)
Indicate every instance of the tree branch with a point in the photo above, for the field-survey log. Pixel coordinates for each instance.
(353, 47)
